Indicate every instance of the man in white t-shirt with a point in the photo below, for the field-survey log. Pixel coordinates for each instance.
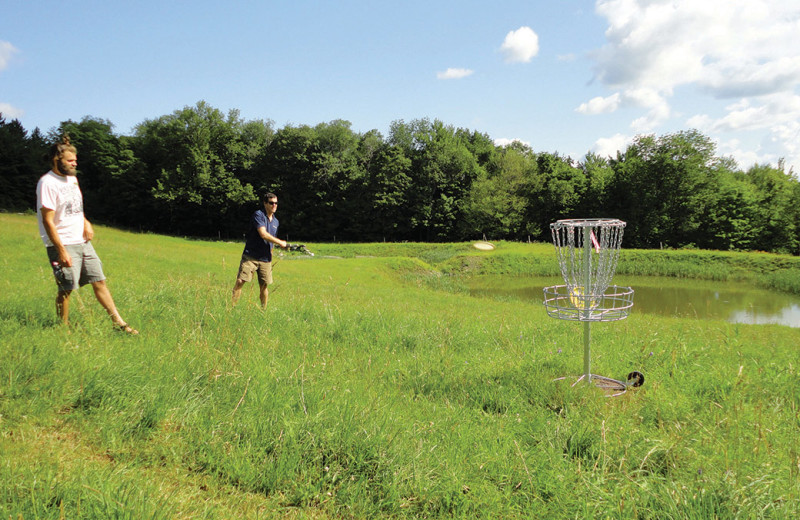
(67, 234)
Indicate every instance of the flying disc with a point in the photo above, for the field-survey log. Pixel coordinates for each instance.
(483, 246)
(578, 300)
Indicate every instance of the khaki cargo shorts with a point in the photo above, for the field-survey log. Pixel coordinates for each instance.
(248, 266)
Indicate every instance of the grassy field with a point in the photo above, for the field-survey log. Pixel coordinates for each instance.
(374, 386)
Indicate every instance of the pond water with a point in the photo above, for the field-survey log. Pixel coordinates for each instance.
(734, 302)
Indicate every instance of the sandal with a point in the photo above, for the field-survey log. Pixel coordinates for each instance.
(127, 329)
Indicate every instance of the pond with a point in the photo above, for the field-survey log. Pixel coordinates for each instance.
(731, 301)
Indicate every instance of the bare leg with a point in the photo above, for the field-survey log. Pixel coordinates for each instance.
(62, 306)
(264, 294)
(237, 291)
(103, 296)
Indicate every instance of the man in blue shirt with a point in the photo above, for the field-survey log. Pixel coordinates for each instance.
(257, 255)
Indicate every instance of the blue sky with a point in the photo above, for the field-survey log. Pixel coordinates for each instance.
(567, 76)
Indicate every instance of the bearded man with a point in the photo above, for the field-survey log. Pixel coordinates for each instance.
(67, 234)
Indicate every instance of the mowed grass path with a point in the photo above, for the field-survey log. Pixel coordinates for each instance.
(373, 387)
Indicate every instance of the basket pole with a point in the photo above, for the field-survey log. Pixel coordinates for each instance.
(587, 335)
(587, 308)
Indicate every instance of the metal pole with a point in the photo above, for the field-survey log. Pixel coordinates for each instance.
(587, 308)
(587, 335)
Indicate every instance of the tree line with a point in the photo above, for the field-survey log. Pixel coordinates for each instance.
(198, 172)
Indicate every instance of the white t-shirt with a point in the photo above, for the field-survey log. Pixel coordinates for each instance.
(62, 194)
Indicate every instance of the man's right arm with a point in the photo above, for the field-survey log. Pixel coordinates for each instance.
(262, 232)
(49, 222)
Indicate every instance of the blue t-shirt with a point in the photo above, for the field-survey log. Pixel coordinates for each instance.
(255, 246)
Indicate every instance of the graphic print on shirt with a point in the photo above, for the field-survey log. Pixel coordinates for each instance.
(73, 202)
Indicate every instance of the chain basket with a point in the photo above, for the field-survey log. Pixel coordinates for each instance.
(587, 252)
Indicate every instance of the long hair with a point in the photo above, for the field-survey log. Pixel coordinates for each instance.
(59, 148)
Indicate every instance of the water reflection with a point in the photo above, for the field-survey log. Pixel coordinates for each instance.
(734, 302)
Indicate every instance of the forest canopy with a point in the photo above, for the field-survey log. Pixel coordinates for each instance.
(198, 172)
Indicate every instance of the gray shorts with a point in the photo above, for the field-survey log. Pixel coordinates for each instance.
(86, 267)
(248, 266)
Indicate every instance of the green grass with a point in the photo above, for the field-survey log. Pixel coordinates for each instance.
(375, 387)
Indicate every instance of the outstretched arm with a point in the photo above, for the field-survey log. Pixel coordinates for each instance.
(262, 231)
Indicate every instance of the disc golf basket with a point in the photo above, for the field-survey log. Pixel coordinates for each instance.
(587, 251)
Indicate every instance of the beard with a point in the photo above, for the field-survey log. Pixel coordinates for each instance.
(66, 169)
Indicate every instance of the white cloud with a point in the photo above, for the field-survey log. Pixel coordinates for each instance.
(503, 141)
(730, 47)
(776, 118)
(746, 114)
(600, 105)
(6, 52)
(609, 146)
(644, 98)
(747, 155)
(784, 143)
(9, 112)
(701, 122)
(452, 73)
(640, 98)
(658, 108)
(725, 80)
(660, 52)
(654, 117)
(520, 45)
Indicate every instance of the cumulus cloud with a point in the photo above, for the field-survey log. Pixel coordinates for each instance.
(503, 141)
(776, 117)
(741, 50)
(10, 112)
(520, 45)
(609, 146)
(600, 105)
(6, 52)
(658, 109)
(771, 149)
(452, 73)
(745, 156)
(746, 114)
(654, 117)
(751, 79)
(730, 47)
(638, 97)
(784, 143)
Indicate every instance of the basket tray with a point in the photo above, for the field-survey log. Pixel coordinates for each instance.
(565, 304)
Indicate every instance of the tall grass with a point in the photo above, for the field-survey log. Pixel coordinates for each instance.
(366, 391)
